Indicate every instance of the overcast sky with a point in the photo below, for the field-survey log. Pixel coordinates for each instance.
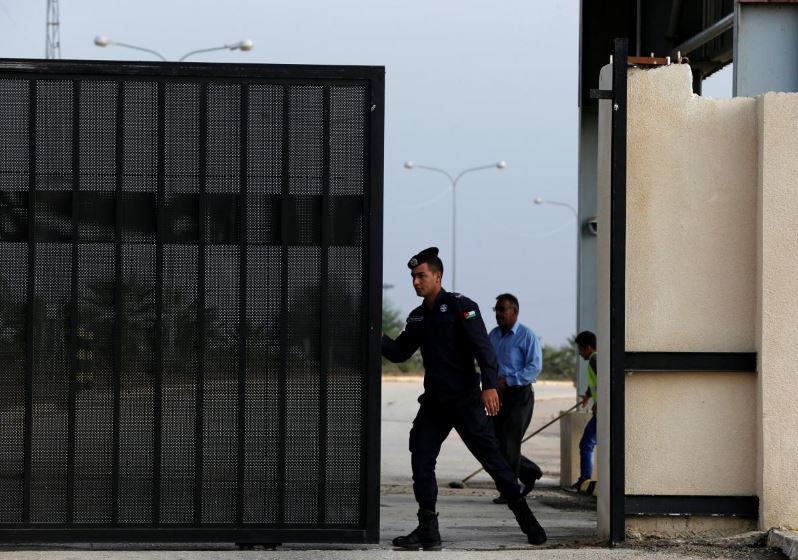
(468, 83)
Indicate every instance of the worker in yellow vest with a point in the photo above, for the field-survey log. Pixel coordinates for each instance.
(586, 344)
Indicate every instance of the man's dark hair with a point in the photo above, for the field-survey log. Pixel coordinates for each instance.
(585, 339)
(435, 264)
(509, 297)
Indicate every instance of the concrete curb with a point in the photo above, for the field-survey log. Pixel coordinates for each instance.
(784, 540)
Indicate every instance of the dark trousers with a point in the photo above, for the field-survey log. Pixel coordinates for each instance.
(432, 425)
(511, 424)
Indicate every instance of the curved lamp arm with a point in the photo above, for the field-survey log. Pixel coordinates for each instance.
(498, 165)
(241, 45)
(102, 41)
(539, 200)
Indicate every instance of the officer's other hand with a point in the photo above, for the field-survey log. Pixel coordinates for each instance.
(585, 400)
(490, 398)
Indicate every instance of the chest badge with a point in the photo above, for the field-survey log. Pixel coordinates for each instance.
(444, 307)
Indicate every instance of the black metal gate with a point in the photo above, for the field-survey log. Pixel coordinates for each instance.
(190, 276)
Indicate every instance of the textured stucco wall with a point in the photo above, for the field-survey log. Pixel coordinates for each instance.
(777, 306)
(691, 285)
(712, 266)
(691, 434)
(691, 216)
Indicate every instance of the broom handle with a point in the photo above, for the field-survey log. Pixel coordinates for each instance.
(480, 469)
(550, 423)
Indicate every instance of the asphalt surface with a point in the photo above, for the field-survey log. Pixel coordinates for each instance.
(399, 407)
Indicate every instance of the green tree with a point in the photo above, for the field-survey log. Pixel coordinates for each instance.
(392, 324)
(559, 363)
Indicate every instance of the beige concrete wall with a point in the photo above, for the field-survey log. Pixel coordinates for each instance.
(691, 216)
(691, 434)
(777, 306)
(691, 286)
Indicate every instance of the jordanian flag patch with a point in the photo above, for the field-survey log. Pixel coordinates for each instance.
(469, 314)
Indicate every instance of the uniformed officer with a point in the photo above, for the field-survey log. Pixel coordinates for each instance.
(449, 330)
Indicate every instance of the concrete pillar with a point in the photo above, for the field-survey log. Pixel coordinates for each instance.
(586, 273)
(572, 426)
(777, 309)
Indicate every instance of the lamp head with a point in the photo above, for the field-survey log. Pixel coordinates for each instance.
(539, 200)
(245, 45)
(101, 41)
(501, 165)
(409, 164)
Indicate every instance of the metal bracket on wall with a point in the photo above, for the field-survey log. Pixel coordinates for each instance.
(600, 94)
(649, 60)
(632, 61)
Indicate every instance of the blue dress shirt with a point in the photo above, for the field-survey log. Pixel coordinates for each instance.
(519, 354)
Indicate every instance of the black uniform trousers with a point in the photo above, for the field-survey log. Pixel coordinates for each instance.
(511, 424)
(434, 421)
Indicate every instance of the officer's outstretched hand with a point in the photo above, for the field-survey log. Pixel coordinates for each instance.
(490, 398)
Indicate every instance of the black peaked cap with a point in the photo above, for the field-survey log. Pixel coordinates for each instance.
(424, 256)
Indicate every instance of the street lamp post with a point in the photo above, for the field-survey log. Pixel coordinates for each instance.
(453, 180)
(103, 41)
(538, 200)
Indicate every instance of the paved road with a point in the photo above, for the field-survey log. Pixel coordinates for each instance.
(399, 407)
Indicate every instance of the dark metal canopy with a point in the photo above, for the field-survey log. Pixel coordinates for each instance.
(701, 30)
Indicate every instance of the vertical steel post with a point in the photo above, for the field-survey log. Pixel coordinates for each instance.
(159, 261)
(199, 442)
(324, 322)
(282, 374)
(31, 304)
(74, 319)
(374, 108)
(618, 294)
(242, 302)
(119, 325)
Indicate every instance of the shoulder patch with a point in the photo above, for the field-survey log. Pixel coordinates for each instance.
(415, 318)
(469, 314)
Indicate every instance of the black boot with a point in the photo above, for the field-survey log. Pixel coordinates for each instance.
(526, 520)
(424, 536)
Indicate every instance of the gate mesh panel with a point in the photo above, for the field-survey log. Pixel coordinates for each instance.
(183, 288)
(13, 289)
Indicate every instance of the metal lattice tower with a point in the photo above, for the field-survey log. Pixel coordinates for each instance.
(53, 45)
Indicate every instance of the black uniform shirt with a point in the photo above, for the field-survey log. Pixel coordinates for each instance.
(451, 335)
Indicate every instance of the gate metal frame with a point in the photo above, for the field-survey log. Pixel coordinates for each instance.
(368, 531)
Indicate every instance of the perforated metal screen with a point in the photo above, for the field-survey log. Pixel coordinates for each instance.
(190, 273)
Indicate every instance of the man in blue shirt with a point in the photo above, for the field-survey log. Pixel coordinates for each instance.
(520, 361)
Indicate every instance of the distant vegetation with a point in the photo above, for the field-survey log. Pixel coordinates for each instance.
(559, 362)
(393, 322)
